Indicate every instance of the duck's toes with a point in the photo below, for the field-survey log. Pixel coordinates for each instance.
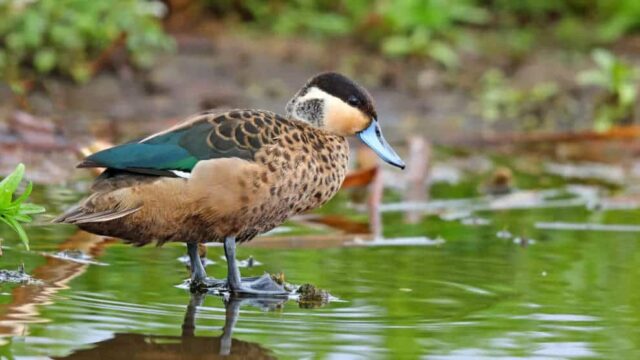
(263, 286)
(206, 284)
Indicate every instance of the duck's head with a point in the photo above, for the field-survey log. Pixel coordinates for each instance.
(337, 104)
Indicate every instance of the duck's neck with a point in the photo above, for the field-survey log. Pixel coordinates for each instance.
(310, 112)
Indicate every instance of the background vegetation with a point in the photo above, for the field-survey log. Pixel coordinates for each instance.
(60, 38)
(437, 28)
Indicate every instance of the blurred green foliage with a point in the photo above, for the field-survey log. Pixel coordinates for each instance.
(619, 80)
(603, 20)
(14, 210)
(498, 100)
(65, 36)
(437, 28)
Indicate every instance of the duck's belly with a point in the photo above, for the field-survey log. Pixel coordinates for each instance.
(156, 224)
(252, 220)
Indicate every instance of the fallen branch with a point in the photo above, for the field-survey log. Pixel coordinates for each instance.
(616, 133)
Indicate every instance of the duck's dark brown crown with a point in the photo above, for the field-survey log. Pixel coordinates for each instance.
(345, 89)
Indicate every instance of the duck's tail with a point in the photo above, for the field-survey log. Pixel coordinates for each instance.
(80, 215)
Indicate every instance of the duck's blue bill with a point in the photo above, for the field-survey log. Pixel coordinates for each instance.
(372, 136)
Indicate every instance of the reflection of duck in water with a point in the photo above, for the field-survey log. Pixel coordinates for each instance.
(188, 345)
(228, 177)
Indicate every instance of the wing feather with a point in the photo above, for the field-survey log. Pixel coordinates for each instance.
(238, 133)
(80, 215)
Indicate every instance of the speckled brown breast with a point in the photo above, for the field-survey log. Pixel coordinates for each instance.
(308, 173)
(301, 171)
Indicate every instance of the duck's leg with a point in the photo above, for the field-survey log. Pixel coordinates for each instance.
(198, 274)
(199, 279)
(255, 286)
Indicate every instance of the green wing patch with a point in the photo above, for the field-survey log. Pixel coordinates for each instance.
(239, 133)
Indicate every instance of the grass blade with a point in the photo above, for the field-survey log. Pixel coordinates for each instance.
(21, 233)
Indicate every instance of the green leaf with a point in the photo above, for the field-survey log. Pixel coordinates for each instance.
(21, 233)
(592, 77)
(11, 182)
(443, 54)
(628, 94)
(396, 46)
(22, 218)
(12, 213)
(25, 194)
(81, 73)
(5, 199)
(45, 60)
(29, 209)
(4, 220)
(603, 58)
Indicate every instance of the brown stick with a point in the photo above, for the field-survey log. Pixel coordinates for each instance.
(616, 133)
(417, 172)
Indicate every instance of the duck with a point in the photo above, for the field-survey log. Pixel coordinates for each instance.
(229, 176)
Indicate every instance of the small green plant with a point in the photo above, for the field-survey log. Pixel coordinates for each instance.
(14, 210)
(428, 28)
(619, 80)
(395, 27)
(66, 37)
(498, 100)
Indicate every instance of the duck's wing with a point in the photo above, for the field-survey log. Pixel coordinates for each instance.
(175, 152)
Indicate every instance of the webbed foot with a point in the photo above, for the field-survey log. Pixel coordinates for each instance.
(257, 286)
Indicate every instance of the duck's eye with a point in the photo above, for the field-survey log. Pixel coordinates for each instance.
(353, 101)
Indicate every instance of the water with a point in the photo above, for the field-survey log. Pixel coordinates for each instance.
(482, 294)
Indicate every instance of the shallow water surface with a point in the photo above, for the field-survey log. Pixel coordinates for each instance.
(482, 294)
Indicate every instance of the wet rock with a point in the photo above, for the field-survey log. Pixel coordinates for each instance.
(523, 241)
(500, 183)
(278, 278)
(251, 262)
(18, 277)
(311, 296)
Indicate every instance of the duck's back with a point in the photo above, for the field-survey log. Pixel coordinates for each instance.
(238, 173)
